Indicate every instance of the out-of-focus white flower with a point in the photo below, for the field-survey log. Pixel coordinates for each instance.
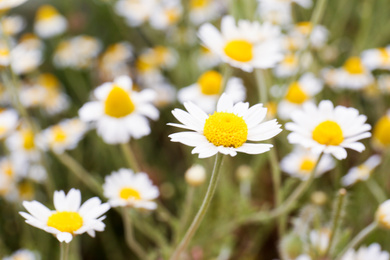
(319, 240)
(23, 254)
(12, 25)
(380, 136)
(27, 55)
(328, 129)
(377, 58)
(206, 91)
(384, 83)
(5, 57)
(167, 13)
(8, 4)
(373, 251)
(202, 11)
(302, 30)
(207, 59)
(49, 22)
(247, 45)
(300, 163)
(22, 142)
(120, 112)
(298, 93)
(361, 172)
(287, 67)
(136, 12)
(113, 62)
(8, 122)
(165, 93)
(69, 218)
(277, 13)
(196, 175)
(125, 188)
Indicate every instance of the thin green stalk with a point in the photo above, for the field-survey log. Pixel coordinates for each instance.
(262, 86)
(376, 190)
(129, 236)
(337, 211)
(187, 206)
(80, 172)
(227, 73)
(202, 211)
(64, 248)
(130, 158)
(359, 238)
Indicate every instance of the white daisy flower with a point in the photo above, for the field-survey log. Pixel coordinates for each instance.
(328, 129)
(287, 67)
(27, 55)
(206, 91)
(23, 254)
(377, 58)
(298, 93)
(303, 257)
(13, 168)
(22, 142)
(167, 13)
(125, 188)
(300, 163)
(361, 172)
(8, 121)
(247, 45)
(195, 175)
(317, 35)
(136, 12)
(119, 112)
(373, 251)
(8, 4)
(63, 136)
(49, 22)
(113, 62)
(202, 11)
(227, 130)
(69, 218)
(276, 12)
(380, 136)
(165, 93)
(12, 25)
(207, 59)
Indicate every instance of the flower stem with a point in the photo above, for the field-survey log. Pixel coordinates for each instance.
(64, 247)
(359, 238)
(130, 158)
(186, 213)
(376, 190)
(202, 211)
(262, 86)
(129, 236)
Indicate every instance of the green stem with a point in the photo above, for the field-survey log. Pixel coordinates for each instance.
(359, 238)
(227, 73)
(64, 247)
(278, 192)
(187, 206)
(376, 190)
(130, 158)
(129, 236)
(262, 86)
(202, 211)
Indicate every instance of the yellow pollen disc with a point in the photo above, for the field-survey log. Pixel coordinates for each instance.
(65, 221)
(3, 130)
(239, 50)
(226, 129)
(195, 4)
(173, 15)
(143, 64)
(129, 193)
(4, 52)
(59, 135)
(385, 55)
(210, 82)
(295, 94)
(354, 65)
(305, 27)
(328, 133)
(382, 130)
(160, 54)
(46, 12)
(48, 81)
(307, 165)
(26, 191)
(28, 140)
(118, 103)
(290, 59)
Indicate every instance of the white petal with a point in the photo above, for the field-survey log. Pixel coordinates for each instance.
(254, 148)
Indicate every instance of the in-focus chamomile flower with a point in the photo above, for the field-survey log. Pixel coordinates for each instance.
(225, 131)
(299, 92)
(136, 12)
(202, 11)
(63, 136)
(380, 136)
(27, 55)
(8, 4)
(317, 35)
(12, 25)
(69, 218)
(114, 61)
(377, 58)
(125, 188)
(206, 91)
(300, 163)
(119, 112)
(287, 67)
(166, 14)
(361, 172)
(8, 121)
(328, 129)
(373, 251)
(23, 254)
(247, 45)
(49, 22)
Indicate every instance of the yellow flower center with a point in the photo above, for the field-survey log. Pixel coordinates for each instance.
(295, 94)
(225, 129)
(307, 165)
(65, 221)
(46, 12)
(304, 27)
(129, 193)
(239, 50)
(385, 56)
(290, 60)
(195, 4)
(4, 52)
(48, 81)
(271, 109)
(160, 54)
(28, 139)
(59, 135)
(210, 82)
(328, 133)
(118, 103)
(173, 15)
(382, 218)
(382, 130)
(354, 65)
(26, 190)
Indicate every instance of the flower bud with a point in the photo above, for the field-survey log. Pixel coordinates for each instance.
(196, 175)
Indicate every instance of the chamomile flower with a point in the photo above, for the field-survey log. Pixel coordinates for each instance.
(63, 136)
(27, 55)
(125, 188)
(113, 62)
(13, 169)
(4, 54)
(277, 13)
(8, 189)
(319, 240)
(202, 11)
(225, 131)
(49, 22)
(8, 121)
(69, 217)
(287, 67)
(380, 136)
(207, 59)
(167, 13)
(383, 214)
(318, 35)
(247, 45)
(373, 251)
(328, 129)
(303, 257)
(12, 25)
(206, 91)
(384, 83)
(136, 12)
(361, 172)
(8, 4)
(22, 142)
(300, 163)
(299, 92)
(23, 254)
(377, 58)
(119, 112)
